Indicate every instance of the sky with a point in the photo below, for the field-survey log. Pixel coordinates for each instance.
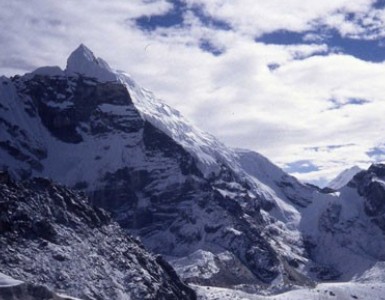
(301, 82)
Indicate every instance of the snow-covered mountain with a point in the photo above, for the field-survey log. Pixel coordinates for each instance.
(343, 178)
(176, 187)
(222, 217)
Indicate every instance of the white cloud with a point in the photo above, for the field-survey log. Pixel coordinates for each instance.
(257, 17)
(281, 113)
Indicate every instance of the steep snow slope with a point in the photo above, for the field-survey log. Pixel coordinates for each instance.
(343, 178)
(209, 152)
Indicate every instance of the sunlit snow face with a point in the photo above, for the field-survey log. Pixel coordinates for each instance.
(301, 82)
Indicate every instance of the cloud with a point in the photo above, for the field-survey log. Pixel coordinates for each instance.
(270, 97)
(377, 153)
(257, 17)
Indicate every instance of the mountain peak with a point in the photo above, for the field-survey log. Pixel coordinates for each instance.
(82, 61)
(85, 52)
(343, 178)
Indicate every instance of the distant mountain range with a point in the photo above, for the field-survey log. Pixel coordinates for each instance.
(219, 217)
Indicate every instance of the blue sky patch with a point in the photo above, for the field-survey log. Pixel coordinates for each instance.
(334, 147)
(328, 147)
(357, 101)
(376, 153)
(209, 21)
(372, 50)
(273, 67)
(336, 104)
(282, 37)
(175, 17)
(379, 4)
(207, 46)
(301, 166)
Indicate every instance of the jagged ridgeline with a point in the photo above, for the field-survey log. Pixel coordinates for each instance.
(221, 217)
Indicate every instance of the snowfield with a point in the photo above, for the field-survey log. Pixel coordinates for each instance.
(323, 291)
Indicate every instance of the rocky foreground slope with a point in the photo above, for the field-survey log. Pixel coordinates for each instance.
(50, 235)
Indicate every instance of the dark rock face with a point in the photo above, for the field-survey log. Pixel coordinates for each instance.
(120, 188)
(19, 147)
(289, 186)
(50, 235)
(157, 141)
(370, 185)
(84, 95)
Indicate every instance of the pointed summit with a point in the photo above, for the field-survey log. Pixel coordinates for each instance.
(344, 177)
(83, 62)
